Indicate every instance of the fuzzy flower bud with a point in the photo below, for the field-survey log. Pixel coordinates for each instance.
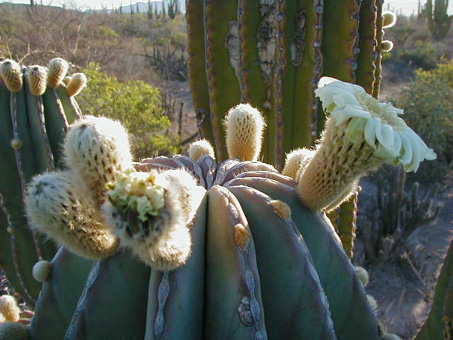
(76, 84)
(296, 162)
(200, 148)
(57, 70)
(57, 209)
(12, 75)
(9, 308)
(37, 76)
(244, 132)
(96, 148)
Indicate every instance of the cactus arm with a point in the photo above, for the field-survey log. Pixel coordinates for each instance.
(440, 314)
(379, 38)
(39, 142)
(367, 35)
(17, 264)
(224, 90)
(70, 108)
(278, 241)
(256, 87)
(56, 125)
(185, 288)
(303, 74)
(352, 316)
(59, 296)
(342, 29)
(116, 289)
(197, 67)
(233, 298)
(340, 39)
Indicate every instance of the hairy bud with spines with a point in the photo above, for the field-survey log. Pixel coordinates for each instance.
(76, 84)
(9, 308)
(244, 132)
(200, 148)
(38, 79)
(150, 213)
(296, 162)
(97, 148)
(57, 70)
(57, 209)
(11, 74)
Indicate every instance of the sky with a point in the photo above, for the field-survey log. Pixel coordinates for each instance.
(406, 6)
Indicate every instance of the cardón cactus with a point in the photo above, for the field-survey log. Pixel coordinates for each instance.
(200, 243)
(35, 110)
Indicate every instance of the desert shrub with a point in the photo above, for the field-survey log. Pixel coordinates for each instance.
(136, 104)
(428, 107)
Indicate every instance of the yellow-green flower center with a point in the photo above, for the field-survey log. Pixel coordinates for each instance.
(386, 113)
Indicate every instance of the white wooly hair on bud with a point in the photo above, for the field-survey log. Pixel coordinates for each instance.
(168, 246)
(56, 208)
(296, 162)
(41, 270)
(244, 132)
(96, 148)
(200, 148)
(9, 308)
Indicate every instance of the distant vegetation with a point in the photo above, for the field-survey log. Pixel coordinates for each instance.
(123, 56)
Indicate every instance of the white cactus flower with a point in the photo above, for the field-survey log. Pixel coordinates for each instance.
(138, 192)
(376, 123)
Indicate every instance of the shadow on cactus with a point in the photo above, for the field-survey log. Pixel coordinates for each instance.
(36, 106)
(215, 250)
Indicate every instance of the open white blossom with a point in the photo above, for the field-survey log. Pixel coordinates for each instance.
(376, 123)
(137, 192)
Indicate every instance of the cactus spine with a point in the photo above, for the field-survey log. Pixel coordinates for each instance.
(34, 119)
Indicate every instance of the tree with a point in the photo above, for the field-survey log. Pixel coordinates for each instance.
(136, 104)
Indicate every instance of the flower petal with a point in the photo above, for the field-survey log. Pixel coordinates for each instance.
(370, 133)
(388, 138)
(354, 132)
(406, 150)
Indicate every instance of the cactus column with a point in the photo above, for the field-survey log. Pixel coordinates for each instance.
(35, 109)
(272, 54)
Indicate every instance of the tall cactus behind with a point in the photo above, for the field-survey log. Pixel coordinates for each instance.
(272, 54)
(439, 22)
(35, 109)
